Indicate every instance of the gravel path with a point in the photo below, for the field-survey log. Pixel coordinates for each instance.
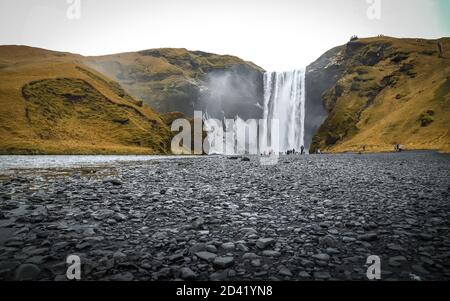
(218, 218)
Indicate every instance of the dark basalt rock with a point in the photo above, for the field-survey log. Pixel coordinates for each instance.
(311, 218)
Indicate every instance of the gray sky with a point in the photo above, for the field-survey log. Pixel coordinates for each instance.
(275, 34)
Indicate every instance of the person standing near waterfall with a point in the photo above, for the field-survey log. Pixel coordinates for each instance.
(302, 149)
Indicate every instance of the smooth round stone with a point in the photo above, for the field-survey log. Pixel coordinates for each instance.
(223, 262)
(256, 263)
(228, 246)
(211, 248)
(322, 257)
(188, 274)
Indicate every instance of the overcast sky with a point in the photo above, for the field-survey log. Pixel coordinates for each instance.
(275, 34)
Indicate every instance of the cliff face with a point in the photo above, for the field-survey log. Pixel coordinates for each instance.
(377, 92)
(320, 76)
(180, 80)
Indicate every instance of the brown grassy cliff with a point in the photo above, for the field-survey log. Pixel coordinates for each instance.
(52, 103)
(387, 91)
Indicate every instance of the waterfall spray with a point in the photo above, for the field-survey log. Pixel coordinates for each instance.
(284, 101)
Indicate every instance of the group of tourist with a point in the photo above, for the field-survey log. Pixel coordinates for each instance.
(293, 152)
(289, 152)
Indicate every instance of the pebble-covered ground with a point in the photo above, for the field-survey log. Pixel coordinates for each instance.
(216, 218)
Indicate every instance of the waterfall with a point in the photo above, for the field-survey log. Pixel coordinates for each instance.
(284, 100)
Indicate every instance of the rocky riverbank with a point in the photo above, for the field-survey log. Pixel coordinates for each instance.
(213, 218)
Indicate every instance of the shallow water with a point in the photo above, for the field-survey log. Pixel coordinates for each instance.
(51, 161)
(15, 162)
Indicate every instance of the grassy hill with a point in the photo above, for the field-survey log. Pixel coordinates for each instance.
(176, 79)
(388, 91)
(53, 103)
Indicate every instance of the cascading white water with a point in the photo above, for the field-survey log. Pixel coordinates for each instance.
(284, 100)
(221, 136)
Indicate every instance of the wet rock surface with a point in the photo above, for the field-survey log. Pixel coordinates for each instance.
(211, 218)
